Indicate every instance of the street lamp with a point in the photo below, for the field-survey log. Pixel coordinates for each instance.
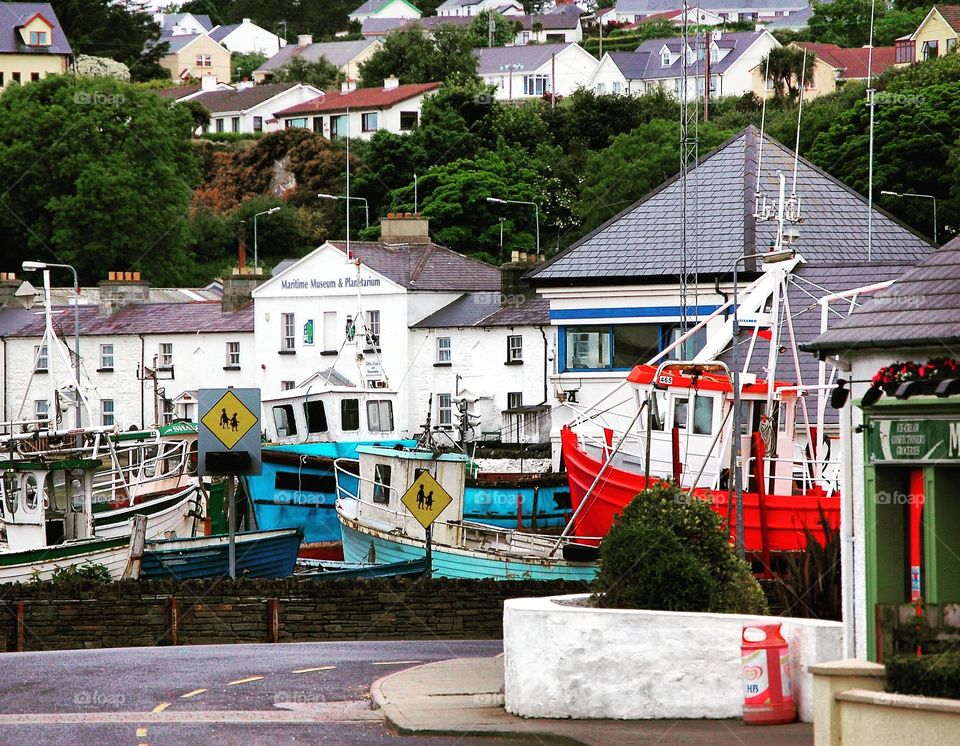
(536, 208)
(925, 196)
(265, 212)
(29, 266)
(366, 206)
(771, 257)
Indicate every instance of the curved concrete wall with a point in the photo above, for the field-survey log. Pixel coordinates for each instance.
(563, 659)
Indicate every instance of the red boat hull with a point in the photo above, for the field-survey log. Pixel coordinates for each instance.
(786, 515)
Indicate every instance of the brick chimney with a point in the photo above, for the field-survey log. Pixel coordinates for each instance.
(512, 282)
(237, 288)
(121, 289)
(8, 288)
(404, 227)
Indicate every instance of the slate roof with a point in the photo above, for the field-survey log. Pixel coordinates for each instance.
(337, 53)
(736, 43)
(550, 21)
(633, 65)
(361, 98)
(922, 308)
(371, 7)
(742, 6)
(531, 56)
(485, 309)
(176, 43)
(852, 63)
(172, 19)
(375, 26)
(642, 243)
(241, 99)
(424, 266)
(222, 32)
(796, 20)
(13, 15)
(148, 318)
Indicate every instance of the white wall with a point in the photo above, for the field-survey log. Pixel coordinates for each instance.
(387, 119)
(396, 9)
(249, 38)
(296, 95)
(606, 77)
(571, 69)
(563, 660)
(482, 7)
(738, 78)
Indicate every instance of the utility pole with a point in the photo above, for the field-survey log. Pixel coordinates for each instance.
(706, 78)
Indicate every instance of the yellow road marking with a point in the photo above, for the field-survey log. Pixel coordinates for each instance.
(194, 693)
(393, 663)
(311, 670)
(141, 732)
(161, 707)
(244, 681)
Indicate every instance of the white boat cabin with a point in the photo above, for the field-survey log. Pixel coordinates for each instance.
(330, 414)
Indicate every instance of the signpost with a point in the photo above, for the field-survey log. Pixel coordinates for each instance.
(229, 445)
(426, 500)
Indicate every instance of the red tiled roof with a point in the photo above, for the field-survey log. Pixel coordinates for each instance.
(951, 14)
(852, 63)
(361, 98)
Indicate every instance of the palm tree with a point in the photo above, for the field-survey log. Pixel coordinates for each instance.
(786, 69)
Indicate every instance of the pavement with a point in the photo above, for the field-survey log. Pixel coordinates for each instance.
(464, 697)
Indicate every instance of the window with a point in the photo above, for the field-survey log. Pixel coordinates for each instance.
(233, 354)
(514, 348)
(106, 413)
(38, 38)
(288, 330)
(287, 385)
(810, 82)
(536, 85)
(284, 420)
(680, 413)
(338, 126)
(665, 58)
(603, 347)
(204, 60)
(1, 79)
(368, 121)
(258, 124)
(587, 347)
(929, 49)
(40, 409)
(40, 355)
(514, 399)
(692, 346)
(444, 410)
(106, 357)
(601, 88)
(950, 44)
(166, 355)
(318, 124)
(34, 76)
(906, 52)
(373, 328)
(381, 483)
(235, 124)
(525, 37)
(16, 77)
(316, 417)
(349, 414)
(703, 415)
(444, 352)
(617, 87)
(219, 125)
(380, 416)
(296, 123)
(408, 120)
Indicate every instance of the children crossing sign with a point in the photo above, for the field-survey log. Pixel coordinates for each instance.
(426, 499)
(229, 438)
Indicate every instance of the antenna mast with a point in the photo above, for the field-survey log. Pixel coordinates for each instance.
(688, 161)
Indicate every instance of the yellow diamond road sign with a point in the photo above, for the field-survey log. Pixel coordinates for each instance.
(426, 499)
(229, 420)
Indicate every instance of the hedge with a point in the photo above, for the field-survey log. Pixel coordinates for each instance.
(927, 675)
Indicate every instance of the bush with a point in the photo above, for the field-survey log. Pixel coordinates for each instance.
(87, 571)
(671, 552)
(927, 676)
(809, 585)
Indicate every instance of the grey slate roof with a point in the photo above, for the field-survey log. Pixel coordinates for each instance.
(375, 25)
(648, 7)
(13, 15)
(424, 266)
(549, 21)
(797, 20)
(922, 308)
(531, 56)
(633, 65)
(176, 43)
(370, 6)
(337, 53)
(642, 243)
(241, 99)
(736, 42)
(485, 309)
(222, 32)
(172, 19)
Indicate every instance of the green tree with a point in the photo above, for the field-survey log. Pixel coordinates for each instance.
(243, 65)
(415, 57)
(504, 30)
(117, 175)
(847, 22)
(787, 67)
(320, 74)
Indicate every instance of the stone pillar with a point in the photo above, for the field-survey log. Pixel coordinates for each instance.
(829, 679)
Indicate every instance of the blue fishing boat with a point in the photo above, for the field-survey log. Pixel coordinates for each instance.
(377, 527)
(334, 570)
(259, 554)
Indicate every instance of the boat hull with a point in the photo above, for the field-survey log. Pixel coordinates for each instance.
(787, 516)
(259, 554)
(166, 514)
(40, 564)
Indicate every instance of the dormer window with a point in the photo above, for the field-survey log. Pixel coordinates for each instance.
(38, 39)
(665, 58)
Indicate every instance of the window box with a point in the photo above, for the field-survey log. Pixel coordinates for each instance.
(104, 370)
(443, 365)
(231, 367)
(286, 352)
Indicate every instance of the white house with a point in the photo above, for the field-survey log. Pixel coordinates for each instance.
(248, 38)
(476, 7)
(532, 71)
(250, 108)
(142, 350)
(302, 312)
(207, 82)
(346, 56)
(659, 63)
(631, 11)
(385, 9)
(182, 24)
(549, 28)
(394, 108)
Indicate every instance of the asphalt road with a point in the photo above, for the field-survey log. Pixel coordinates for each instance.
(223, 694)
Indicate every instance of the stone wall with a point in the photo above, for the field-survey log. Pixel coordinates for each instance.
(131, 613)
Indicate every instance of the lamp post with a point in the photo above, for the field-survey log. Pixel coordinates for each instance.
(29, 266)
(780, 255)
(536, 208)
(925, 196)
(366, 206)
(265, 212)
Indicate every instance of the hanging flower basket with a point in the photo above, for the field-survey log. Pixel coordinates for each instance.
(940, 376)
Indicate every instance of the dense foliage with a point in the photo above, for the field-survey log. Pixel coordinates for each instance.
(413, 56)
(670, 551)
(935, 675)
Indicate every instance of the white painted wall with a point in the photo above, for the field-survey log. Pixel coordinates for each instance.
(249, 38)
(607, 78)
(482, 7)
(570, 69)
(296, 95)
(396, 9)
(387, 119)
(564, 660)
(550, 36)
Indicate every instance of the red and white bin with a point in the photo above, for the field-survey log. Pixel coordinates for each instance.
(765, 663)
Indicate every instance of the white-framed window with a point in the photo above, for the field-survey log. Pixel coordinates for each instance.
(665, 58)
(287, 385)
(514, 348)
(601, 88)
(234, 124)
(258, 124)
(617, 87)
(40, 409)
(106, 412)
(444, 410)
(106, 357)
(288, 331)
(368, 121)
(380, 416)
(444, 350)
(43, 360)
(204, 60)
(536, 85)
(233, 354)
(373, 328)
(514, 399)
(166, 355)
(219, 125)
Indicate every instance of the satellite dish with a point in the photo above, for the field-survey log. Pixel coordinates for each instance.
(26, 295)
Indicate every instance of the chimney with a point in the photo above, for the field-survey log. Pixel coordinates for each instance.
(208, 82)
(244, 84)
(390, 83)
(304, 40)
(348, 85)
(246, 20)
(8, 287)
(400, 227)
(512, 282)
(238, 287)
(121, 289)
